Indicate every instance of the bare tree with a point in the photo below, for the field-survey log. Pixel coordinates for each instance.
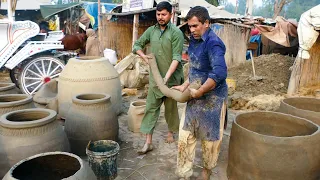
(278, 6)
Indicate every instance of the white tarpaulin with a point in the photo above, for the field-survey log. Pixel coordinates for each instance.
(307, 31)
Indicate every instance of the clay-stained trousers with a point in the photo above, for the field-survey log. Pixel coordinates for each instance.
(187, 148)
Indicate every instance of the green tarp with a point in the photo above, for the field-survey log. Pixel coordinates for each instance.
(50, 10)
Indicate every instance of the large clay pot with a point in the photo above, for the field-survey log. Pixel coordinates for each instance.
(277, 146)
(91, 117)
(308, 108)
(88, 75)
(13, 102)
(8, 88)
(51, 165)
(28, 132)
(136, 113)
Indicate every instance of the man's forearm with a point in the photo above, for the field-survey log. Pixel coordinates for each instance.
(207, 86)
(171, 69)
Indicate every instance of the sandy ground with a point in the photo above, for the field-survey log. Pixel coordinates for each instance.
(160, 163)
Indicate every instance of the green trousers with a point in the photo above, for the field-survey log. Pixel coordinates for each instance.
(153, 111)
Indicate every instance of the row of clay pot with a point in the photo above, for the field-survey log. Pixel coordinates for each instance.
(280, 145)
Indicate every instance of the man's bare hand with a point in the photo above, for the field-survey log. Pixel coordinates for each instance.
(146, 58)
(180, 88)
(195, 93)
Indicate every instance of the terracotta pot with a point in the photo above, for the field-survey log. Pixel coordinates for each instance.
(13, 102)
(28, 132)
(136, 113)
(8, 88)
(91, 117)
(51, 165)
(88, 75)
(277, 146)
(308, 108)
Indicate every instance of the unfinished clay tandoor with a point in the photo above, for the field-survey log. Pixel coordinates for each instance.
(8, 88)
(88, 75)
(13, 102)
(91, 117)
(304, 107)
(51, 165)
(28, 132)
(277, 146)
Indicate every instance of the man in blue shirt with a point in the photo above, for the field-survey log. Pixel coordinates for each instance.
(205, 112)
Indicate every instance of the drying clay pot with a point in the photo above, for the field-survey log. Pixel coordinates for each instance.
(136, 113)
(91, 117)
(88, 75)
(51, 165)
(8, 88)
(277, 146)
(308, 108)
(28, 132)
(13, 102)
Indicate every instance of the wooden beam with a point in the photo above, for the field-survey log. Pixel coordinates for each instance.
(135, 28)
(234, 23)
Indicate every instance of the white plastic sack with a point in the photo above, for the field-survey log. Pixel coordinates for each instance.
(309, 22)
(111, 56)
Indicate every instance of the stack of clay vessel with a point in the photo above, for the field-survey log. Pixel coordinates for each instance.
(136, 113)
(91, 117)
(304, 107)
(46, 97)
(27, 132)
(8, 88)
(88, 75)
(13, 102)
(51, 165)
(271, 145)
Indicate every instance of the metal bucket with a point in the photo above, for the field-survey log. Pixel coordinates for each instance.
(102, 156)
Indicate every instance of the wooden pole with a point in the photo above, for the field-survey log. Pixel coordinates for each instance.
(135, 28)
(99, 21)
(253, 69)
(10, 12)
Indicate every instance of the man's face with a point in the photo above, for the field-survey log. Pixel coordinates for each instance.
(163, 17)
(197, 28)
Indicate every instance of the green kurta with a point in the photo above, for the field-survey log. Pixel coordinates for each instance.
(166, 46)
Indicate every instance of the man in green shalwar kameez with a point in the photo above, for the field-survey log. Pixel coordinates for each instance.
(166, 41)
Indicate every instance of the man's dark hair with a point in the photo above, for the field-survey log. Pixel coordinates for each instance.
(164, 5)
(200, 12)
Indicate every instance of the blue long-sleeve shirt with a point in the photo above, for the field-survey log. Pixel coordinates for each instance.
(207, 61)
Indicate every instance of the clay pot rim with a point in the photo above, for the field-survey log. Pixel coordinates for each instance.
(26, 100)
(45, 154)
(76, 100)
(10, 86)
(4, 122)
(88, 59)
(306, 98)
(276, 137)
(103, 154)
(131, 104)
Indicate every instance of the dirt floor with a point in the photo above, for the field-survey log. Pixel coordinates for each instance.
(160, 163)
(267, 89)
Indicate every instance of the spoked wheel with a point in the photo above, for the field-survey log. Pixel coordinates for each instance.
(37, 72)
